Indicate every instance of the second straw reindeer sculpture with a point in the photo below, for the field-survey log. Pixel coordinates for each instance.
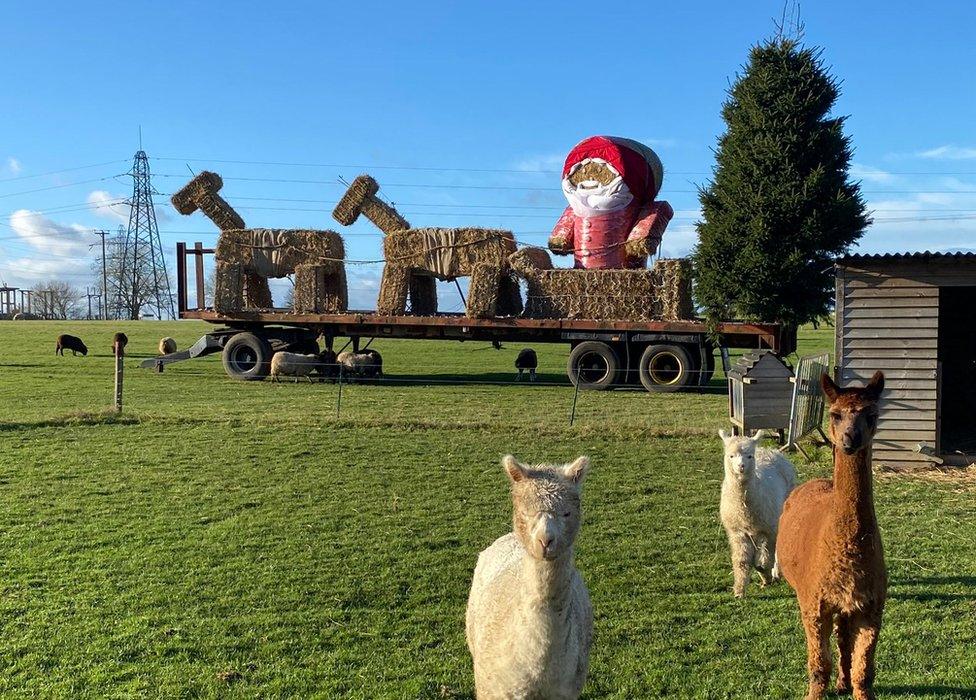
(830, 548)
(417, 257)
(246, 258)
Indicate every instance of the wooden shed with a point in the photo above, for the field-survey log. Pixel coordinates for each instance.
(913, 315)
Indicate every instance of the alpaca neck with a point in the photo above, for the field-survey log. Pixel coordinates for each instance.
(853, 507)
(547, 583)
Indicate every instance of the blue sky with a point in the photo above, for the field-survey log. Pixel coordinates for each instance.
(460, 110)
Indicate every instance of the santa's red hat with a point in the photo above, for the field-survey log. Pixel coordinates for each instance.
(637, 164)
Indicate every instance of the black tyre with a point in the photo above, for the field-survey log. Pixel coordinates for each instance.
(247, 357)
(665, 368)
(593, 365)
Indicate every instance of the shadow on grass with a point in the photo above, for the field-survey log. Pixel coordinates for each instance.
(108, 417)
(936, 690)
(930, 595)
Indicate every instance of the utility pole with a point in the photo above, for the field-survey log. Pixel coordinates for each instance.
(104, 301)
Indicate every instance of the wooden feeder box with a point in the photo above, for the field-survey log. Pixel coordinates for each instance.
(760, 393)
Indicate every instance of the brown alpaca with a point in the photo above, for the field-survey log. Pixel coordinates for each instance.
(829, 548)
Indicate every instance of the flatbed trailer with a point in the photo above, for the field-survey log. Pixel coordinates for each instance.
(660, 355)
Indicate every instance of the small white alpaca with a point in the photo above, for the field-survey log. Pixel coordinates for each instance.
(529, 621)
(757, 482)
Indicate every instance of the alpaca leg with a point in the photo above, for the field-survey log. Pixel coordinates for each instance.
(865, 628)
(764, 561)
(743, 554)
(816, 624)
(845, 648)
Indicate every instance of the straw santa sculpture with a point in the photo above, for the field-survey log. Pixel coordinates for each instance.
(612, 220)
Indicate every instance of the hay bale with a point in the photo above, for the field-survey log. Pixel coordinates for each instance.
(447, 253)
(660, 293)
(228, 287)
(166, 346)
(257, 292)
(393, 290)
(423, 294)
(201, 193)
(361, 198)
(320, 290)
(483, 291)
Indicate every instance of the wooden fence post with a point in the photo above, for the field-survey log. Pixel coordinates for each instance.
(118, 378)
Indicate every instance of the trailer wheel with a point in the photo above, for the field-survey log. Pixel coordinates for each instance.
(593, 365)
(665, 368)
(247, 357)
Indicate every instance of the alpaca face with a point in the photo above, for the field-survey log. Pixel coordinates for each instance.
(546, 505)
(853, 413)
(740, 454)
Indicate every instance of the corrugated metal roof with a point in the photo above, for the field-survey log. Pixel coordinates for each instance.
(922, 256)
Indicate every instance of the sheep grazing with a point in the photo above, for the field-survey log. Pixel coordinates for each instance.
(167, 345)
(367, 364)
(526, 360)
(529, 620)
(119, 341)
(757, 482)
(72, 343)
(292, 364)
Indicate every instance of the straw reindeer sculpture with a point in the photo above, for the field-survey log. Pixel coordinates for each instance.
(417, 257)
(830, 552)
(246, 258)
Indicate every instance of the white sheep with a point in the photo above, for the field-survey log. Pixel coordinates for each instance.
(756, 484)
(292, 364)
(529, 620)
(366, 364)
(166, 345)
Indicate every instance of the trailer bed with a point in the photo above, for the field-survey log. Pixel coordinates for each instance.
(446, 326)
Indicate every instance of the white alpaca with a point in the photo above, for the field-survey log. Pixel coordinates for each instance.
(757, 482)
(529, 621)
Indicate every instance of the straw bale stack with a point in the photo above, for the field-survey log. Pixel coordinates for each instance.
(660, 293)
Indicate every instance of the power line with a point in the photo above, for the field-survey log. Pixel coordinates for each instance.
(63, 170)
(511, 171)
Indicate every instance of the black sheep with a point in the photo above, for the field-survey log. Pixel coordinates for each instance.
(526, 360)
(72, 343)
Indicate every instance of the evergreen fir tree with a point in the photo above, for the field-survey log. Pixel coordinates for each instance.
(781, 205)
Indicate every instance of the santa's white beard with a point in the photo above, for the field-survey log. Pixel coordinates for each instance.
(591, 198)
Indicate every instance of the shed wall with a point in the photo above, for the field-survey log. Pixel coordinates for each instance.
(888, 319)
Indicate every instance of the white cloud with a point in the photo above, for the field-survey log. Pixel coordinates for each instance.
(550, 163)
(115, 207)
(109, 206)
(949, 152)
(13, 165)
(659, 142)
(49, 236)
(871, 174)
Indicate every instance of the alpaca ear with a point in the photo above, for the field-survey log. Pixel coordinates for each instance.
(725, 436)
(516, 472)
(874, 388)
(576, 471)
(758, 436)
(830, 390)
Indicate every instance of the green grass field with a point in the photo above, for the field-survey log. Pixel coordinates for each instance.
(227, 539)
